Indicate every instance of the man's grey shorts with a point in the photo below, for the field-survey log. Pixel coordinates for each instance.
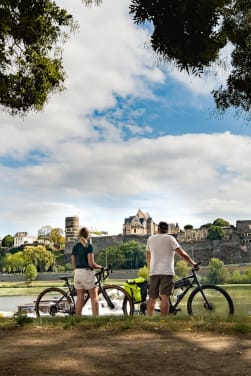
(160, 285)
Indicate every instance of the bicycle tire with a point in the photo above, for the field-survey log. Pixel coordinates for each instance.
(221, 305)
(54, 302)
(122, 302)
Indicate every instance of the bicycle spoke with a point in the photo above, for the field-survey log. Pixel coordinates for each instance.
(53, 302)
(115, 301)
(218, 304)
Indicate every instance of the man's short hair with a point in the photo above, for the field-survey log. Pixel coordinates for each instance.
(163, 226)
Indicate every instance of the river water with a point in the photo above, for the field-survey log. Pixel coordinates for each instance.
(241, 296)
(11, 303)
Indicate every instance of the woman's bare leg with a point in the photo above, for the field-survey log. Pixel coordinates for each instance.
(94, 301)
(80, 301)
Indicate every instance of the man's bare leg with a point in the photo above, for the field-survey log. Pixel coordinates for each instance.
(164, 305)
(150, 307)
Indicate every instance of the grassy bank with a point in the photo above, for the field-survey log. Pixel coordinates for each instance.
(25, 288)
(34, 287)
(114, 325)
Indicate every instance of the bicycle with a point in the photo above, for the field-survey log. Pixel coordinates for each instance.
(56, 301)
(205, 300)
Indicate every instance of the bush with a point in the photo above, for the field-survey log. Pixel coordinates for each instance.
(217, 272)
(181, 268)
(144, 272)
(30, 272)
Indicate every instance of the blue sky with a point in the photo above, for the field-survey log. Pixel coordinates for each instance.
(127, 133)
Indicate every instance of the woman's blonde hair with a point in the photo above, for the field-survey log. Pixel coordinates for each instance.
(83, 236)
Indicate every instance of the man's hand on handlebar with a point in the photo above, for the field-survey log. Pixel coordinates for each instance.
(196, 266)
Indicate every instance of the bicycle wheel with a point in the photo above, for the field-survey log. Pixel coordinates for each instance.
(114, 300)
(54, 302)
(218, 305)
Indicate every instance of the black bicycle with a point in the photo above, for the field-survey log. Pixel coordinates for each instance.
(205, 300)
(56, 301)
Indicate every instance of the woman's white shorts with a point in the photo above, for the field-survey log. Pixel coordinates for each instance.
(84, 279)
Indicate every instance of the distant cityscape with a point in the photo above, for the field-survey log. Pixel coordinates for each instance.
(142, 224)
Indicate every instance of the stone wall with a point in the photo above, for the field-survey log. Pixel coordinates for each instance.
(230, 252)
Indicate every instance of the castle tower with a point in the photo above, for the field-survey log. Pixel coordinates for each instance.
(71, 228)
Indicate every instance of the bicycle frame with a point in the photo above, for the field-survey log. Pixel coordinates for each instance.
(100, 276)
(187, 283)
(60, 301)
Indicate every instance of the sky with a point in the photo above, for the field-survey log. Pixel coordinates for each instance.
(128, 132)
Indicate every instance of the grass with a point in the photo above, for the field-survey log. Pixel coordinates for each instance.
(24, 288)
(118, 324)
(34, 287)
(180, 323)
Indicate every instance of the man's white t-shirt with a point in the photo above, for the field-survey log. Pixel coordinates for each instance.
(162, 248)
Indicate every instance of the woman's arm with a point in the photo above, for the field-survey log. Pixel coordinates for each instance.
(92, 262)
(73, 261)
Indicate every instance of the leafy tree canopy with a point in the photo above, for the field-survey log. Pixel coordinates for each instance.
(8, 241)
(188, 227)
(31, 32)
(217, 272)
(30, 272)
(182, 268)
(191, 33)
(129, 255)
(188, 33)
(56, 236)
(40, 257)
(215, 232)
(221, 222)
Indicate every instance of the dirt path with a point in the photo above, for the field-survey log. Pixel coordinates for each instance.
(73, 352)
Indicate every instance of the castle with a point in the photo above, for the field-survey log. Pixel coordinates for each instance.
(142, 224)
(234, 248)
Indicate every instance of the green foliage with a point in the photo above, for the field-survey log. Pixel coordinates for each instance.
(40, 257)
(206, 225)
(237, 27)
(217, 272)
(215, 233)
(188, 33)
(8, 240)
(181, 268)
(221, 222)
(56, 236)
(129, 255)
(144, 272)
(238, 277)
(22, 319)
(191, 34)
(188, 227)
(31, 34)
(30, 272)
(183, 30)
(14, 262)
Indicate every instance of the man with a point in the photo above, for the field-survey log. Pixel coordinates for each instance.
(160, 251)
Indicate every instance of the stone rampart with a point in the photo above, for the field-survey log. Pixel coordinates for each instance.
(229, 251)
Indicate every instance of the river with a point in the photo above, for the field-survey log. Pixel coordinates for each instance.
(241, 295)
(11, 303)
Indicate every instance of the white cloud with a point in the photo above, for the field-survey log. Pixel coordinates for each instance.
(84, 165)
(180, 178)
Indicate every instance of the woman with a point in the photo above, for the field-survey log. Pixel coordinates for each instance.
(84, 277)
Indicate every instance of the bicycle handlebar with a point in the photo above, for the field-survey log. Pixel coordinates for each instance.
(103, 273)
(196, 266)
